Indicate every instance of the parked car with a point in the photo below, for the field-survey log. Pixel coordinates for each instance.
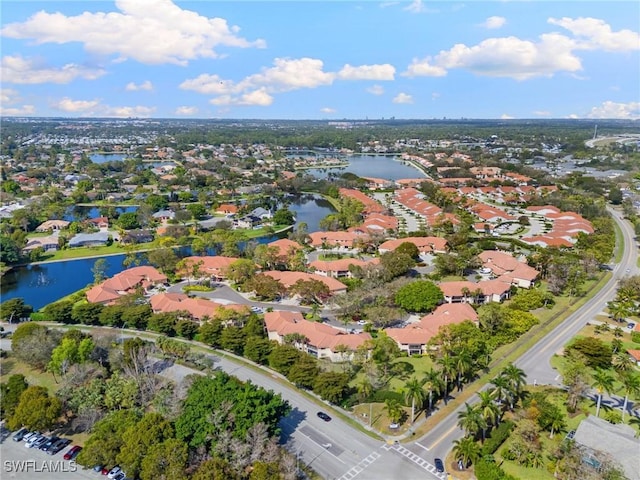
(59, 445)
(73, 453)
(631, 325)
(30, 435)
(40, 442)
(439, 465)
(46, 445)
(33, 439)
(98, 468)
(113, 472)
(324, 416)
(20, 434)
(120, 476)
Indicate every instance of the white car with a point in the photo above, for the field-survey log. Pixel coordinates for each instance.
(114, 472)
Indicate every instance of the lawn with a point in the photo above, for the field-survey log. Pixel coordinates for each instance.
(80, 252)
(12, 366)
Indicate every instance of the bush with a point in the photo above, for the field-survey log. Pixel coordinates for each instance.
(497, 438)
(486, 469)
(635, 337)
(380, 396)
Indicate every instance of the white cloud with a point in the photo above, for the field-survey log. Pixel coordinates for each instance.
(290, 74)
(609, 109)
(10, 101)
(258, 97)
(417, 6)
(505, 116)
(424, 68)
(132, 87)
(208, 85)
(184, 110)
(542, 113)
(328, 110)
(494, 22)
(76, 106)
(596, 34)
(16, 69)
(504, 57)
(150, 32)
(93, 108)
(403, 98)
(367, 72)
(376, 90)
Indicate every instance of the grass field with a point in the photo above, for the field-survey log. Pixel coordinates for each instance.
(12, 366)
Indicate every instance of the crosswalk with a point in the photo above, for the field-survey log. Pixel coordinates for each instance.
(360, 466)
(417, 459)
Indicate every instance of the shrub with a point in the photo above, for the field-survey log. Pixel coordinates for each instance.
(635, 337)
(497, 438)
(380, 396)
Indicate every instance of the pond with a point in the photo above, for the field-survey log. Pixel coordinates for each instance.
(107, 157)
(388, 167)
(44, 283)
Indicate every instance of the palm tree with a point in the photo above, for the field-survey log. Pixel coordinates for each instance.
(466, 450)
(432, 384)
(364, 389)
(636, 422)
(447, 369)
(413, 392)
(463, 365)
(500, 389)
(471, 420)
(631, 385)
(488, 409)
(393, 409)
(556, 421)
(602, 382)
(517, 379)
(622, 362)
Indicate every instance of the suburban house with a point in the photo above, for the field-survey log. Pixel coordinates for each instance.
(287, 279)
(339, 268)
(370, 205)
(509, 269)
(425, 245)
(137, 236)
(285, 246)
(227, 209)
(99, 222)
(321, 340)
(164, 215)
(334, 240)
(635, 355)
(125, 282)
(48, 244)
(469, 292)
(413, 338)
(196, 308)
(97, 239)
(601, 439)
(52, 226)
(213, 266)
(248, 221)
(377, 223)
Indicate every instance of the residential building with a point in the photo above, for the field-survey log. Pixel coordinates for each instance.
(124, 283)
(287, 279)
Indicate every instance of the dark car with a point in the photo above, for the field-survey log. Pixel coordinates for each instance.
(49, 443)
(59, 445)
(98, 468)
(324, 416)
(73, 453)
(19, 435)
(439, 465)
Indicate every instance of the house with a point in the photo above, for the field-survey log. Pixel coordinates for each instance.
(285, 246)
(48, 244)
(482, 292)
(125, 282)
(334, 240)
(413, 338)
(377, 223)
(508, 268)
(320, 340)
(137, 236)
(339, 268)
(425, 245)
(635, 355)
(164, 215)
(98, 239)
(601, 439)
(261, 213)
(287, 279)
(52, 226)
(99, 222)
(370, 205)
(196, 308)
(227, 209)
(213, 266)
(248, 221)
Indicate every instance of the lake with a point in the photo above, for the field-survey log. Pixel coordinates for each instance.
(107, 157)
(42, 284)
(376, 166)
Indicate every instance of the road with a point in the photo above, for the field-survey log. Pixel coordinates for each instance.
(536, 361)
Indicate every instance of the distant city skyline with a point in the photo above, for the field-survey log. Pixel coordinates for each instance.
(320, 60)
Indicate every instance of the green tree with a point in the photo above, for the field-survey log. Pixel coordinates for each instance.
(265, 287)
(138, 439)
(165, 259)
(409, 248)
(257, 349)
(597, 353)
(471, 420)
(393, 409)
(210, 332)
(413, 393)
(466, 450)
(14, 310)
(332, 386)
(602, 382)
(303, 373)
(128, 221)
(10, 394)
(99, 269)
(36, 410)
(233, 339)
(284, 216)
(419, 296)
(197, 210)
(310, 291)
(432, 383)
(241, 270)
(165, 461)
(61, 311)
(630, 385)
(516, 379)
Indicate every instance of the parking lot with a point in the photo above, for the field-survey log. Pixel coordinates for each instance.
(30, 464)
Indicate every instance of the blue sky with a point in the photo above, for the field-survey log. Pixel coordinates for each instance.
(320, 60)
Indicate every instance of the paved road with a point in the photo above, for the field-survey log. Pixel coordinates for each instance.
(536, 361)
